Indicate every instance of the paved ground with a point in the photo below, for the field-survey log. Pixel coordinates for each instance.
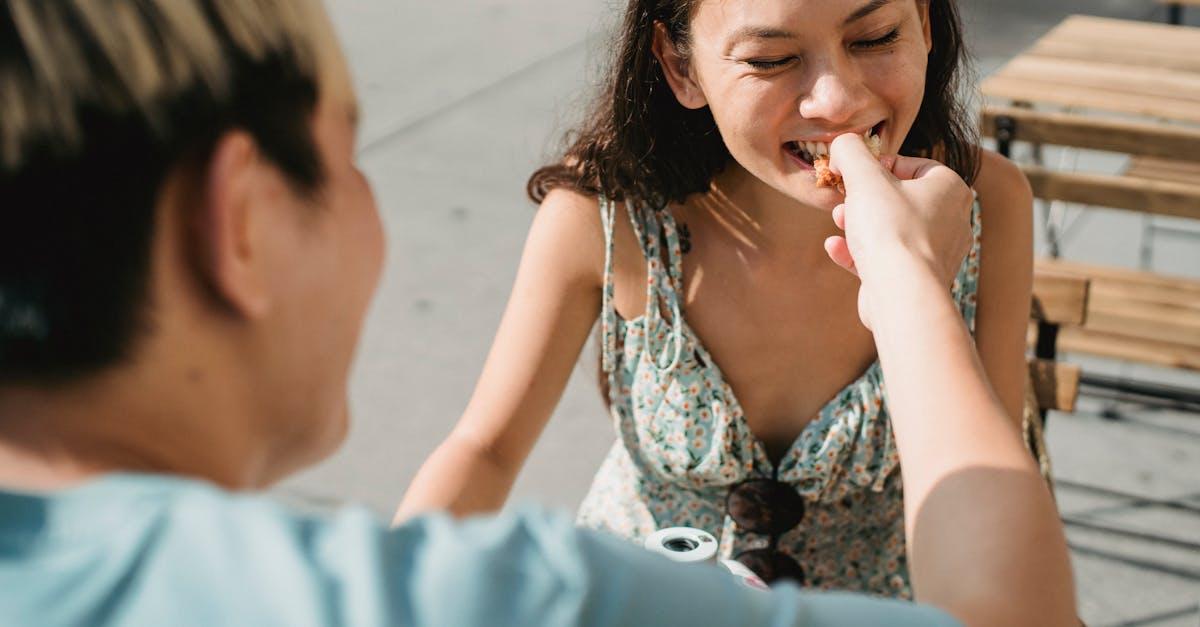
(463, 98)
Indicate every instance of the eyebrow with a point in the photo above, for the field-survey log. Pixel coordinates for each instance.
(768, 32)
(757, 32)
(865, 10)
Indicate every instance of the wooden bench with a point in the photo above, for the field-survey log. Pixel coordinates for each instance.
(1131, 315)
(1059, 301)
(1134, 316)
(1163, 177)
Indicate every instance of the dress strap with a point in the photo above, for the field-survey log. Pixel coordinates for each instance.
(608, 312)
(663, 285)
(966, 283)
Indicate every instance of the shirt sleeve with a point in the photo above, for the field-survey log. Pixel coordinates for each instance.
(535, 568)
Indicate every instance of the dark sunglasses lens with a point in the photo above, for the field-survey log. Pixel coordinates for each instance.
(772, 566)
(765, 506)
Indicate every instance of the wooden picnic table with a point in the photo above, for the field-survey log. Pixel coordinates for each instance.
(1131, 88)
(1106, 64)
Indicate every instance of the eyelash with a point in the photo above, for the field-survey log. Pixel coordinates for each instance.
(882, 41)
(771, 64)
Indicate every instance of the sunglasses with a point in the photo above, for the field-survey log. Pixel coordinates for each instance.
(771, 508)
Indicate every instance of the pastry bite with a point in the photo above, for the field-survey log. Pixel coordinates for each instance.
(817, 154)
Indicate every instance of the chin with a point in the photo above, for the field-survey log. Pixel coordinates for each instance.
(802, 187)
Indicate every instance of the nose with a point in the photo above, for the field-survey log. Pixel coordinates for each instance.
(836, 96)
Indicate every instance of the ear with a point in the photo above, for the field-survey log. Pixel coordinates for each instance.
(228, 230)
(926, 26)
(676, 69)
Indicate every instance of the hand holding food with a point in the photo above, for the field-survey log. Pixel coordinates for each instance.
(827, 177)
(916, 212)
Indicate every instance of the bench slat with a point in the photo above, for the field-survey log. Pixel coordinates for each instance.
(1145, 321)
(1055, 384)
(1059, 298)
(1156, 197)
(1096, 133)
(1169, 355)
(1110, 274)
(1158, 169)
(1120, 292)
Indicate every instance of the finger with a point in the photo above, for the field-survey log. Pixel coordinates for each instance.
(849, 156)
(907, 168)
(839, 252)
(839, 216)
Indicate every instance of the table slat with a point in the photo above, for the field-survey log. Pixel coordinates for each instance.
(1140, 81)
(1067, 95)
(1137, 57)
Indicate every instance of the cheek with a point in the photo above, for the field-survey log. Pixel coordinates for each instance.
(354, 239)
(752, 114)
(344, 261)
(367, 235)
(900, 83)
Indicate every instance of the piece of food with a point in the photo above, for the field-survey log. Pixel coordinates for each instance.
(826, 177)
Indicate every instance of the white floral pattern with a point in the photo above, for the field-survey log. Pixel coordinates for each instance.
(683, 440)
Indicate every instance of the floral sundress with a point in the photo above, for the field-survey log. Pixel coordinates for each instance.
(683, 440)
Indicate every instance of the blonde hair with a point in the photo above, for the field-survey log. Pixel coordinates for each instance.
(133, 57)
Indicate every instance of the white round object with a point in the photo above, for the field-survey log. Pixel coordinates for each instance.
(683, 544)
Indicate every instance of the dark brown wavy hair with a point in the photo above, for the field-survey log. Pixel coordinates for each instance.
(640, 145)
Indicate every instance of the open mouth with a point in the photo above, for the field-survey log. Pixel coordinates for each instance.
(808, 152)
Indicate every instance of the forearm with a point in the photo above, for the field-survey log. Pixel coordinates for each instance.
(984, 538)
(944, 412)
(459, 478)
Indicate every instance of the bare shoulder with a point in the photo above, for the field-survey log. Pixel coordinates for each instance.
(570, 210)
(1006, 209)
(567, 235)
(572, 216)
(1002, 186)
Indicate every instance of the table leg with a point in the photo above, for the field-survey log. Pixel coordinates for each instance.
(1175, 13)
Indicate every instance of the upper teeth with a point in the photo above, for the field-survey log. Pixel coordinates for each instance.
(821, 149)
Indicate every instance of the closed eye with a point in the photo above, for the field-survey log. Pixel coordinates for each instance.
(889, 38)
(769, 64)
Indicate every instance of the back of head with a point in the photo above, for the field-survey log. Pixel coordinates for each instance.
(100, 100)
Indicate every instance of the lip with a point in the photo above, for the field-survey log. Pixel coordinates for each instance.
(797, 161)
(827, 138)
(878, 129)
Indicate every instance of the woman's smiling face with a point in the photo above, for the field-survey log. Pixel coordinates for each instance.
(777, 74)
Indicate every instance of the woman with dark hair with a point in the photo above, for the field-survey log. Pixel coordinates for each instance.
(685, 214)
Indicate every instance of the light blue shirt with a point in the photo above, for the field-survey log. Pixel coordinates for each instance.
(148, 550)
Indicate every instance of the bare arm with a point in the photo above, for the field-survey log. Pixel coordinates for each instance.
(984, 539)
(1006, 279)
(983, 533)
(554, 303)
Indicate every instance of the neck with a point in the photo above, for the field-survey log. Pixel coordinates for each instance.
(168, 421)
(781, 227)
